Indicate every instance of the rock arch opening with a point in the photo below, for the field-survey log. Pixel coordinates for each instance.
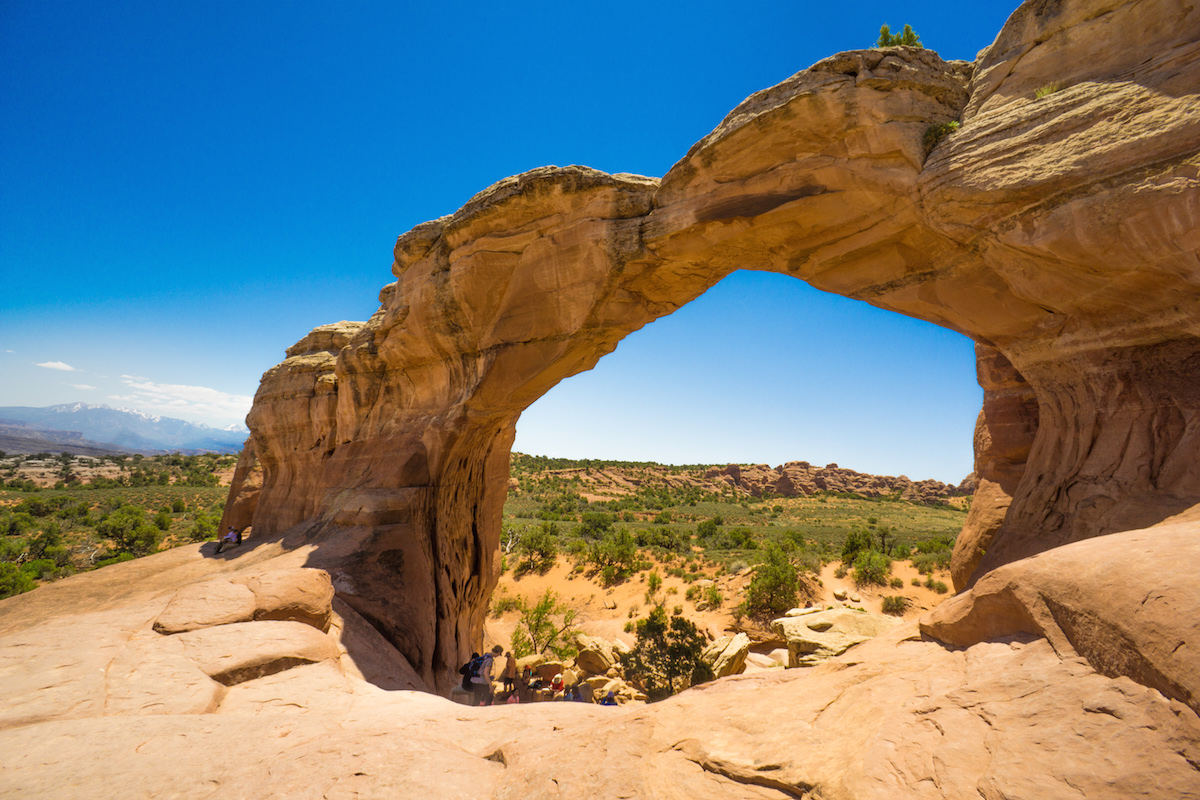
(762, 368)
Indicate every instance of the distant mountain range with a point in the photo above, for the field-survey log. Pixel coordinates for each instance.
(79, 427)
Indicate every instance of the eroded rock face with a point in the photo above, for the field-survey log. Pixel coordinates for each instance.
(1060, 233)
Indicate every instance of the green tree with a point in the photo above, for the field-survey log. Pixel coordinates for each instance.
(906, 38)
(856, 542)
(871, 568)
(537, 548)
(616, 555)
(547, 625)
(668, 656)
(130, 531)
(774, 587)
(13, 580)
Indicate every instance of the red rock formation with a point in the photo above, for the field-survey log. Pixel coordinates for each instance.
(1060, 233)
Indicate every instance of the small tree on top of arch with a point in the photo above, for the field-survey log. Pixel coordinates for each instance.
(906, 38)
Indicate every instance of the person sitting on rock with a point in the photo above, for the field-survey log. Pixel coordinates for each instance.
(609, 699)
(231, 537)
(557, 686)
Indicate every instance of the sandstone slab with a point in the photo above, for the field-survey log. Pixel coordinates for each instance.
(244, 651)
(203, 605)
(814, 638)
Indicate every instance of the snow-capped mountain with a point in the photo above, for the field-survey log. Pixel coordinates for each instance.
(130, 428)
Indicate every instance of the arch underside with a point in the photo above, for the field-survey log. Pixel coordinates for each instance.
(1070, 257)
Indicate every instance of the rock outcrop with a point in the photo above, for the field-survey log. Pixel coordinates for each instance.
(797, 478)
(819, 635)
(1061, 233)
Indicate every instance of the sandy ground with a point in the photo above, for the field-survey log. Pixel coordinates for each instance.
(628, 601)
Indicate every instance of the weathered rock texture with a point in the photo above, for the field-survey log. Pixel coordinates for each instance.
(1060, 233)
(797, 478)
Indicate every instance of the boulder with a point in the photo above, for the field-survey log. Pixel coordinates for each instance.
(727, 655)
(298, 595)
(202, 605)
(596, 655)
(814, 638)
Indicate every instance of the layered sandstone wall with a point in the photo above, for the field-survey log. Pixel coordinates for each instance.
(1060, 233)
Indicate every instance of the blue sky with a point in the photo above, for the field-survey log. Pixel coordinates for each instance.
(188, 188)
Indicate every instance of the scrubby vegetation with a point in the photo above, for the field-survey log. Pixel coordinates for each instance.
(617, 521)
(101, 511)
(667, 657)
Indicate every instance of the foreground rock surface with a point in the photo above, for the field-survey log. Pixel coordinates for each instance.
(1057, 676)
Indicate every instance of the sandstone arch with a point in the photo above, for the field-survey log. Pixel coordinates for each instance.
(1060, 234)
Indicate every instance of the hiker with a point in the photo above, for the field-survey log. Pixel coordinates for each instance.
(556, 687)
(232, 537)
(510, 671)
(609, 699)
(467, 670)
(481, 681)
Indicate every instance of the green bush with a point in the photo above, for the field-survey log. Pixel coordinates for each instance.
(546, 626)
(204, 527)
(668, 655)
(537, 549)
(895, 605)
(129, 530)
(940, 587)
(935, 133)
(14, 580)
(897, 583)
(774, 587)
(906, 38)
(162, 521)
(856, 542)
(871, 569)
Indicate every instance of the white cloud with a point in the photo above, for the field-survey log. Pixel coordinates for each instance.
(183, 401)
(57, 365)
(82, 386)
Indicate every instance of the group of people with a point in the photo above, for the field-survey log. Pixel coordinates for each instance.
(519, 686)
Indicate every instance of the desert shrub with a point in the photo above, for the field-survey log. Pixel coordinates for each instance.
(178, 506)
(927, 563)
(856, 542)
(774, 587)
(546, 626)
(1047, 90)
(840, 571)
(595, 524)
(162, 521)
(615, 556)
(129, 530)
(14, 580)
(936, 132)
(117, 559)
(692, 594)
(916, 581)
(40, 568)
(895, 605)
(906, 38)
(505, 603)
(663, 518)
(537, 548)
(940, 587)
(712, 598)
(653, 583)
(204, 527)
(871, 568)
(668, 655)
(897, 583)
